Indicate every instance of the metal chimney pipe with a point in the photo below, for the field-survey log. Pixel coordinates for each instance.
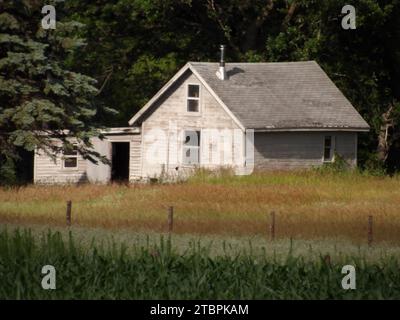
(222, 71)
(222, 61)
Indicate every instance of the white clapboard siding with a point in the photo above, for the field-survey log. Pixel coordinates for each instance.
(135, 169)
(49, 171)
(164, 128)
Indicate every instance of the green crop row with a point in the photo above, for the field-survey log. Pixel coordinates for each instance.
(158, 272)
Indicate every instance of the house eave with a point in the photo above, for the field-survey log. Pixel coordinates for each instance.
(312, 129)
(104, 131)
(121, 131)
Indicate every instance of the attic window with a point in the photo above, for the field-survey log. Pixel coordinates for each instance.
(191, 147)
(193, 98)
(70, 159)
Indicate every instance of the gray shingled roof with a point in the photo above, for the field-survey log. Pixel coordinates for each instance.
(288, 95)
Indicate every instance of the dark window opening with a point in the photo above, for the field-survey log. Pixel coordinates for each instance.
(193, 105)
(70, 162)
(71, 158)
(328, 149)
(120, 161)
(193, 91)
(193, 97)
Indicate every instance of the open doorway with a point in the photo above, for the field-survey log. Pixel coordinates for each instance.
(120, 161)
(24, 167)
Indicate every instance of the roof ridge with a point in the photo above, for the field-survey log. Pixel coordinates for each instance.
(272, 62)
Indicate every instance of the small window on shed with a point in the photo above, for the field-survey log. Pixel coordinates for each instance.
(329, 148)
(70, 158)
(193, 98)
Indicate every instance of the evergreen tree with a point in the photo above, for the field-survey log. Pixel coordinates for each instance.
(40, 98)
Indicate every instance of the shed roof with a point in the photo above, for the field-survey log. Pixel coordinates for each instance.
(284, 95)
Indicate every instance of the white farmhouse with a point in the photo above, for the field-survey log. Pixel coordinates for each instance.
(247, 116)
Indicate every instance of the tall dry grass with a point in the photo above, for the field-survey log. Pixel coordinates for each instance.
(308, 205)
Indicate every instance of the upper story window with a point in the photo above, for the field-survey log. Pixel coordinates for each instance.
(329, 149)
(193, 98)
(70, 158)
(191, 148)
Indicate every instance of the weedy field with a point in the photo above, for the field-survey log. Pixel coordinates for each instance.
(220, 248)
(157, 271)
(308, 205)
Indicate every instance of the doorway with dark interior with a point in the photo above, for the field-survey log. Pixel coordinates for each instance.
(120, 162)
(24, 167)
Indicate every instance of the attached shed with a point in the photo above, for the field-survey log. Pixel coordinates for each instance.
(122, 146)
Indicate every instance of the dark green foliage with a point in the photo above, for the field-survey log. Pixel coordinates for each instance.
(40, 98)
(160, 273)
(363, 63)
(7, 171)
(339, 165)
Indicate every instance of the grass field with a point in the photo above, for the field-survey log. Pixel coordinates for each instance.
(308, 205)
(157, 271)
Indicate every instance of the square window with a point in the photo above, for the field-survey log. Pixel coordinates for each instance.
(193, 105)
(193, 91)
(70, 162)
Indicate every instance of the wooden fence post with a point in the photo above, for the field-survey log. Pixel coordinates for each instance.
(272, 226)
(370, 231)
(327, 260)
(170, 218)
(69, 209)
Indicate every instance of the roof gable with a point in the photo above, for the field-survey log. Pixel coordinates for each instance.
(188, 67)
